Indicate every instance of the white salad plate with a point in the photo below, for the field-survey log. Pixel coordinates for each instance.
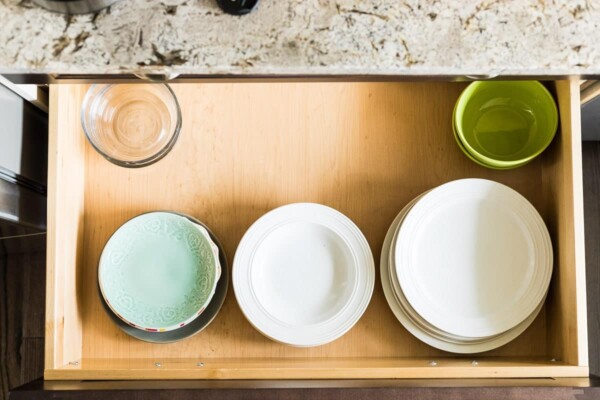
(473, 258)
(303, 274)
(417, 327)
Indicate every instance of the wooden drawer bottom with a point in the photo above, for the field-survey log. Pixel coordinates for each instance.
(365, 149)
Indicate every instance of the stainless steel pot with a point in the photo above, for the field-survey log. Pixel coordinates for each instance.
(74, 6)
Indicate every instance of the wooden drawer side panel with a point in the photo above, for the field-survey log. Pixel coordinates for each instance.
(66, 173)
(563, 187)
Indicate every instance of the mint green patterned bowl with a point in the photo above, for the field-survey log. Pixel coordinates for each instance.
(158, 271)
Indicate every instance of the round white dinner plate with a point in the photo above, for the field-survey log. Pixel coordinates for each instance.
(402, 302)
(426, 337)
(473, 258)
(303, 274)
(416, 318)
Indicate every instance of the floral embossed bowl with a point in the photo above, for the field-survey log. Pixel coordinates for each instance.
(158, 271)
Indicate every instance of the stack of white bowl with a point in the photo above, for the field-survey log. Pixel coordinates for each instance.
(465, 267)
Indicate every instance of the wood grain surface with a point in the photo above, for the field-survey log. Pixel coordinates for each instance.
(359, 149)
(22, 277)
(417, 389)
(591, 178)
(563, 187)
(365, 149)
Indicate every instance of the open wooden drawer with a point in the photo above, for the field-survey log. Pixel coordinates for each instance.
(365, 149)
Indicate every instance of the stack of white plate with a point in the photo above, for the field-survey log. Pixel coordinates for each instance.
(303, 274)
(466, 266)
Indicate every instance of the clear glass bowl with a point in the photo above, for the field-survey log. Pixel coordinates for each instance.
(131, 125)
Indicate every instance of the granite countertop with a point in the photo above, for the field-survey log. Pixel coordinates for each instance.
(382, 37)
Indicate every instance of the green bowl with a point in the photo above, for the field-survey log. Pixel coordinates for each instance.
(506, 123)
(158, 272)
(470, 156)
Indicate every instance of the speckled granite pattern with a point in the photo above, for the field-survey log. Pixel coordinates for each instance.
(395, 37)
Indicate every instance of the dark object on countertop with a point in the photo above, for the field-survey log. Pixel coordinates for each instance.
(74, 6)
(237, 7)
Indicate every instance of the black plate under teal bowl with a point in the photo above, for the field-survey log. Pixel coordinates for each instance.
(198, 324)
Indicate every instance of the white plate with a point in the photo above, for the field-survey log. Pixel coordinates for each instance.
(303, 274)
(473, 258)
(415, 330)
(406, 307)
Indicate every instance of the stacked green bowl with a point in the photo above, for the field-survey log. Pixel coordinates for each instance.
(504, 124)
